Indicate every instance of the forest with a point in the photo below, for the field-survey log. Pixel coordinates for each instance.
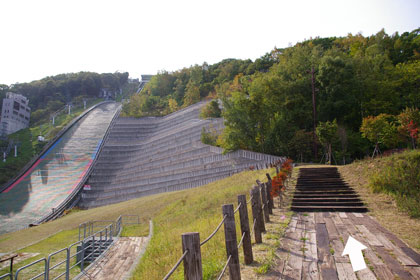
(51, 93)
(268, 104)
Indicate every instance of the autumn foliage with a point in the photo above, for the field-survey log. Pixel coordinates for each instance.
(278, 185)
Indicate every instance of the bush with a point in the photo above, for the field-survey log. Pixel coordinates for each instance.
(401, 179)
(211, 110)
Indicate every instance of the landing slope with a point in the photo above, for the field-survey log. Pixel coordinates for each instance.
(152, 155)
(56, 173)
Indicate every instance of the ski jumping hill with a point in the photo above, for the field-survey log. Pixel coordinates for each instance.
(150, 155)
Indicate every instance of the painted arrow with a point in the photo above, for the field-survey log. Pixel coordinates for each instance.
(354, 249)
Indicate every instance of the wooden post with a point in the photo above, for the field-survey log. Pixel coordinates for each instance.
(243, 217)
(256, 216)
(231, 242)
(269, 198)
(192, 261)
(260, 211)
(265, 203)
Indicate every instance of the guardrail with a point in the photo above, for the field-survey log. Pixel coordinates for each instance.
(61, 263)
(262, 205)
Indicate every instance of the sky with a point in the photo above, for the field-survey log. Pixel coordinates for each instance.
(49, 37)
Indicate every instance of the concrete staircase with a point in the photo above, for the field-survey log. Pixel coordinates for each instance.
(152, 155)
(322, 189)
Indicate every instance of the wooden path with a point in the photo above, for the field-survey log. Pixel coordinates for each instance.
(118, 261)
(314, 242)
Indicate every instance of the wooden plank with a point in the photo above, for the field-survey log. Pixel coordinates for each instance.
(338, 248)
(386, 233)
(370, 254)
(393, 264)
(310, 244)
(319, 218)
(336, 218)
(332, 231)
(383, 272)
(366, 274)
(400, 254)
(412, 254)
(310, 264)
(293, 267)
(415, 271)
(345, 271)
(371, 239)
(343, 215)
(310, 222)
(327, 265)
(310, 270)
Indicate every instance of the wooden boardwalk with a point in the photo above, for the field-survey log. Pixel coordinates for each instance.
(118, 261)
(314, 242)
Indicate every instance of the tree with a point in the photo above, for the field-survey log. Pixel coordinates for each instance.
(192, 94)
(379, 130)
(173, 105)
(327, 134)
(211, 110)
(409, 121)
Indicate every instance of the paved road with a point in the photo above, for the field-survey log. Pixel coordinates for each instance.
(54, 176)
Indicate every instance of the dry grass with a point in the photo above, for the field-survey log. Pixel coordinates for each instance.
(381, 206)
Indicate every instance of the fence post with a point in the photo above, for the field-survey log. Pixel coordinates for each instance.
(192, 262)
(260, 211)
(243, 217)
(255, 215)
(265, 203)
(231, 242)
(269, 197)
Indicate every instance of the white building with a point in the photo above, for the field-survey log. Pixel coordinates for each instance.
(15, 113)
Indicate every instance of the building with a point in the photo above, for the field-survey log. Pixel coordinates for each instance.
(15, 113)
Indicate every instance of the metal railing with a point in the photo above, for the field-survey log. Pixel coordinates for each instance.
(76, 258)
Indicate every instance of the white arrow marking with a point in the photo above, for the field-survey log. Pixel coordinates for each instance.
(354, 249)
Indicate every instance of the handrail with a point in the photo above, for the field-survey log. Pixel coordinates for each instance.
(63, 205)
(95, 241)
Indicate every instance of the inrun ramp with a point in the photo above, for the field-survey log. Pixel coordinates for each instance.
(56, 173)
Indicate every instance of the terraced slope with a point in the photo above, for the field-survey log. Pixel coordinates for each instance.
(56, 173)
(159, 154)
(323, 189)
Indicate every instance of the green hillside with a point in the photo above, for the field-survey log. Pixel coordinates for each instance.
(268, 104)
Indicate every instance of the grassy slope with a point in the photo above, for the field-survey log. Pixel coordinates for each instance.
(383, 205)
(173, 213)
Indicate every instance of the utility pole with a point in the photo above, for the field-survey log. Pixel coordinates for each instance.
(314, 110)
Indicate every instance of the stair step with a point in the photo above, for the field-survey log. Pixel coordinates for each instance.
(329, 209)
(327, 203)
